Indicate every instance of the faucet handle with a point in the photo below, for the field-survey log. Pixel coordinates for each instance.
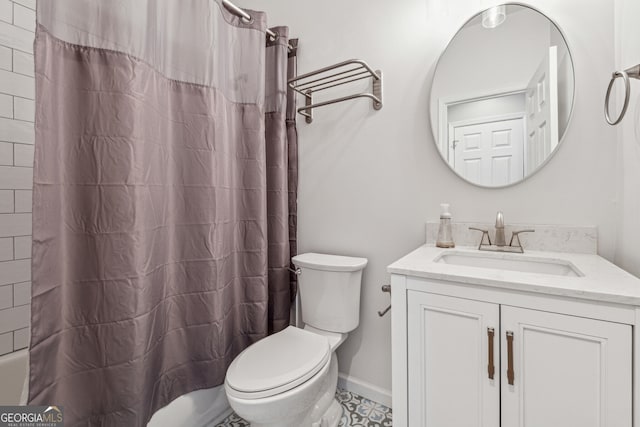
(516, 235)
(484, 233)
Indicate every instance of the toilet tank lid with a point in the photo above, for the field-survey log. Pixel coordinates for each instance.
(329, 262)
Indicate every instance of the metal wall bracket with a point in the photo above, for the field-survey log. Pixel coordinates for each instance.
(385, 288)
(347, 71)
(307, 112)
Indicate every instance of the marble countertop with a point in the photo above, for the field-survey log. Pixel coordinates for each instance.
(602, 280)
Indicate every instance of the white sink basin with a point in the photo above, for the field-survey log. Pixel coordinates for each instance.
(511, 262)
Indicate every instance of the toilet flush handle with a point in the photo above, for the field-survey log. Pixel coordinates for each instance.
(385, 288)
(297, 271)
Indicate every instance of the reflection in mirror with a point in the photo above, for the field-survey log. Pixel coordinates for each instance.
(502, 95)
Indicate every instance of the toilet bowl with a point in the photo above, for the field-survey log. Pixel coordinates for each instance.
(289, 379)
(283, 380)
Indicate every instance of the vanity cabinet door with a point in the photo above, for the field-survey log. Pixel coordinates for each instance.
(449, 361)
(567, 371)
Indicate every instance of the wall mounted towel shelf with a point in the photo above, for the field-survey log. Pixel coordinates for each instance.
(336, 75)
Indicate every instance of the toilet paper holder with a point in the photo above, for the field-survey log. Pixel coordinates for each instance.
(385, 288)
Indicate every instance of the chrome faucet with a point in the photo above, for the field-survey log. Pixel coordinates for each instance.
(500, 240)
(500, 244)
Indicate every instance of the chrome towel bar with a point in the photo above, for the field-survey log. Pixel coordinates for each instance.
(634, 73)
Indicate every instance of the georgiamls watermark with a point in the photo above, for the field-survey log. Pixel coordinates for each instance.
(31, 416)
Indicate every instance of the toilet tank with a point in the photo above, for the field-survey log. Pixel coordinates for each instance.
(329, 287)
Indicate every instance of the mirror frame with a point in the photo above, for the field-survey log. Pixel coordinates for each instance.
(435, 130)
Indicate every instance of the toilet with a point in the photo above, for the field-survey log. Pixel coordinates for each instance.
(289, 379)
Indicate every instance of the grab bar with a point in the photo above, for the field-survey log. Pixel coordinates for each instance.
(634, 73)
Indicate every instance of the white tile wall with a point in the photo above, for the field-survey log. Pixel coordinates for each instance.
(31, 4)
(6, 61)
(24, 109)
(22, 247)
(15, 178)
(6, 296)
(16, 84)
(6, 252)
(6, 201)
(6, 153)
(6, 13)
(6, 343)
(16, 131)
(15, 271)
(23, 199)
(23, 63)
(16, 37)
(21, 294)
(24, 17)
(14, 318)
(21, 339)
(17, 92)
(15, 225)
(6, 106)
(23, 155)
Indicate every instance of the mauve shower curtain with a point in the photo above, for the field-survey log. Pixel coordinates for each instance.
(292, 158)
(279, 145)
(156, 202)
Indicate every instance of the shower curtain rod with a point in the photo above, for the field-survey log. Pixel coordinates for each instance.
(236, 10)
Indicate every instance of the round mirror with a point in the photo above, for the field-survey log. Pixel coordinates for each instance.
(502, 95)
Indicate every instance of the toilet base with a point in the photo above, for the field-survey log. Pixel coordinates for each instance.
(332, 417)
(327, 411)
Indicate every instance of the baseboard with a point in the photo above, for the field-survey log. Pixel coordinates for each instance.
(364, 389)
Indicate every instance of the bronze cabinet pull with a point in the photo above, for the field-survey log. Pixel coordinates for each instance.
(510, 373)
(490, 367)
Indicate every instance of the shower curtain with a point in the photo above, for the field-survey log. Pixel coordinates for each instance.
(282, 163)
(161, 202)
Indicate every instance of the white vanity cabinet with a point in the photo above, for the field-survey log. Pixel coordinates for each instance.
(569, 371)
(490, 352)
(451, 342)
(473, 363)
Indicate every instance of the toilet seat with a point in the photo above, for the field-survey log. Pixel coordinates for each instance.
(277, 363)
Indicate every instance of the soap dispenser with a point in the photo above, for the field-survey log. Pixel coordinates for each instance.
(445, 237)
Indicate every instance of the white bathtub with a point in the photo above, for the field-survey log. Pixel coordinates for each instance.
(199, 408)
(196, 409)
(13, 371)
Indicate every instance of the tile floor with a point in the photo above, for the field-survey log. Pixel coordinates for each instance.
(358, 412)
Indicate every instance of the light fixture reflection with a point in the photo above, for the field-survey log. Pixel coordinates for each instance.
(494, 16)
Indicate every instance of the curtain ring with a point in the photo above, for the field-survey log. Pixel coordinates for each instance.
(627, 88)
(274, 37)
(247, 21)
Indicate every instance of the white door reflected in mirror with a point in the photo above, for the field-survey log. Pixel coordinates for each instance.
(490, 153)
(542, 111)
(502, 97)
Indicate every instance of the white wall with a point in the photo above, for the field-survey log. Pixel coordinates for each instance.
(17, 88)
(481, 62)
(370, 179)
(507, 104)
(565, 80)
(627, 54)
